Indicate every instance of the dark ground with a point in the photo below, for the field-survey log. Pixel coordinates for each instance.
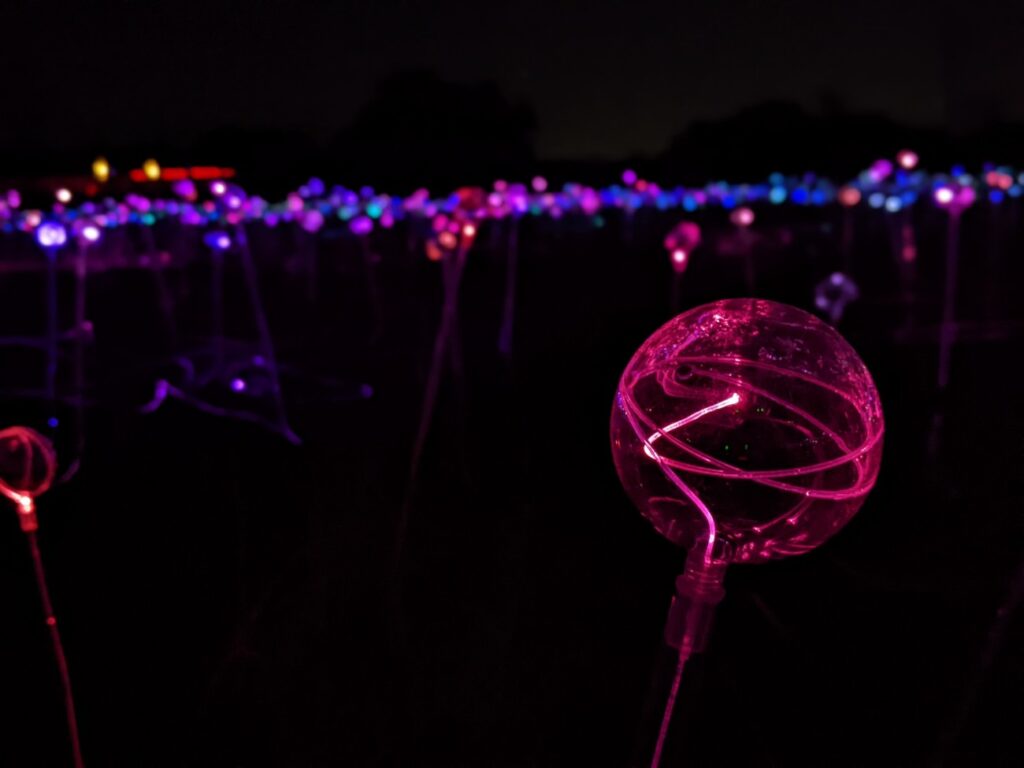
(228, 599)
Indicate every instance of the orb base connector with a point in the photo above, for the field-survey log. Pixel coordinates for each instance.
(27, 515)
(699, 590)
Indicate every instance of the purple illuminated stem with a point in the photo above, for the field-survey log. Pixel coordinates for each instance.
(995, 246)
(511, 270)
(163, 291)
(263, 328)
(217, 309)
(628, 224)
(51, 330)
(748, 271)
(908, 262)
(58, 647)
(894, 240)
(455, 265)
(947, 331)
(982, 670)
(312, 264)
(80, 336)
(369, 266)
(846, 241)
(900, 235)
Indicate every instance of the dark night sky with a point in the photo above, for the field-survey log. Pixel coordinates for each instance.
(605, 78)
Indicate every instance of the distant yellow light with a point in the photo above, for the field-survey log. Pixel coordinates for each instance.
(101, 169)
(152, 169)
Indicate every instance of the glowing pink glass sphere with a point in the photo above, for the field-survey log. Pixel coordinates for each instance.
(747, 423)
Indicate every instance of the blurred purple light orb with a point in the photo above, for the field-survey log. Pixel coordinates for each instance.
(361, 225)
(312, 221)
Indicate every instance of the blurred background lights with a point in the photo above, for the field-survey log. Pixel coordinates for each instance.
(907, 159)
(151, 169)
(101, 169)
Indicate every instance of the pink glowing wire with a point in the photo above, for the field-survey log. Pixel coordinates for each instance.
(670, 705)
(676, 480)
(35, 452)
(765, 477)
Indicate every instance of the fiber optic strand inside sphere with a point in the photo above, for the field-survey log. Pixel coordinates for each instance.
(773, 460)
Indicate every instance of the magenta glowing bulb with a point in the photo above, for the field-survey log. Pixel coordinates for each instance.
(685, 236)
(748, 429)
(679, 260)
(361, 225)
(965, 197)
(742, 217)
(311, 220)
(880, 169)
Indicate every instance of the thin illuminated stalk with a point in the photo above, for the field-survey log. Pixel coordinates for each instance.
(58, 649)
(948, 331)
(449, 317)
(511, 273)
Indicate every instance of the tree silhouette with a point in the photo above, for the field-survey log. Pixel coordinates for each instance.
(419, 129)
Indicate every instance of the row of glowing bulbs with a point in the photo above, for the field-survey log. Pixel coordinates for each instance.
(891, 186)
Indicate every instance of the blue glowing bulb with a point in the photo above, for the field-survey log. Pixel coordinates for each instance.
(51, 234)
(218, 241)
